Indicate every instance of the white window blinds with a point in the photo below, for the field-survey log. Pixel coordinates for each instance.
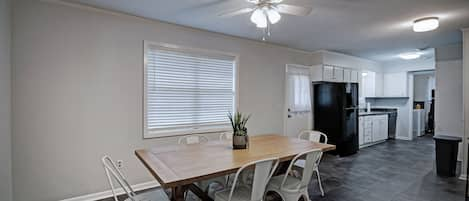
(187, 92)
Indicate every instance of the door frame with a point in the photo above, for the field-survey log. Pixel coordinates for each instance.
(285, 97)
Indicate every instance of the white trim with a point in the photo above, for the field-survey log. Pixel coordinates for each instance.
(463, 177)
(403, 138)
(108, 193)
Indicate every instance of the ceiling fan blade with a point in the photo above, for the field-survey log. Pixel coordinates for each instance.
(294, 10)
(236, 12)
(298, 2)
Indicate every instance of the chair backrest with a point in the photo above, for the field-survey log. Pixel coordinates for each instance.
(192, 139)
(313, 136)
(114, 174)
(263, 171)
(311, 157)
(226, 136)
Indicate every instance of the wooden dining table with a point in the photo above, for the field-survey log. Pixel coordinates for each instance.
(179, 166)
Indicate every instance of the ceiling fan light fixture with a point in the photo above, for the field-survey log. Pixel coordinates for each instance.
(273, 16)
(426, 24)
(258, 17)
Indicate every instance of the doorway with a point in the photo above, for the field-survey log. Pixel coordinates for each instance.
(298, 115)
(423, 115)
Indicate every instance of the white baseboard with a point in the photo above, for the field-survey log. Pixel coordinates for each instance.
(403, 138)
(119, 191)
(463, 177)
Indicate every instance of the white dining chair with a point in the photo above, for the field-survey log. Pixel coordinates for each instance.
(192, 139)
(263, 171)
(313, 136)
(114, 174)
(292, 188)
(226, 136)
(205, 184)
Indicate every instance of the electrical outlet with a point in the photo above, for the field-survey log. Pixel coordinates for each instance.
(120, 163)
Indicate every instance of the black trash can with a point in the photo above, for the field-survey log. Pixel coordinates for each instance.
(446, 154)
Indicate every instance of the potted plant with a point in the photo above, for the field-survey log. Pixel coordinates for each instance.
(240, 132)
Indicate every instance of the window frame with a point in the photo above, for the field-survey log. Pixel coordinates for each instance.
(147, 133)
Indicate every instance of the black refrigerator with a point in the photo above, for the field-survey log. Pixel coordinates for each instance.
(336, 115)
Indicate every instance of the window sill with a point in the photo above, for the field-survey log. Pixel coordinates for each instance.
(181, 132)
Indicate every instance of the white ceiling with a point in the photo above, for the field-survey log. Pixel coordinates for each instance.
(373, 29)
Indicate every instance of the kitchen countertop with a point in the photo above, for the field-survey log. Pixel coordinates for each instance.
(376, 111)
(372, 113)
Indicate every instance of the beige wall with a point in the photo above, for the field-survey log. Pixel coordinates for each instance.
(77, 83)
(448, 95)
(5, 97)
(449, 100)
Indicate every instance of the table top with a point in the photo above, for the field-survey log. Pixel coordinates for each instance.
(176, 165)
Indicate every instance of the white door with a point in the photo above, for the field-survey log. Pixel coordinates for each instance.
(297, 100)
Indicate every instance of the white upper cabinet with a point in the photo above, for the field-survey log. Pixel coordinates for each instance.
(354, 75)
(395, 84)
(330, 73)
(338, 74)
(369, 84)
(347, 75)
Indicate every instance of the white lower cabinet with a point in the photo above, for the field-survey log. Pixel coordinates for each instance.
(361, 124)
(372, 129)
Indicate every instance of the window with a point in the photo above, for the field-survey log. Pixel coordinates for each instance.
(299, 82)
(187, 91)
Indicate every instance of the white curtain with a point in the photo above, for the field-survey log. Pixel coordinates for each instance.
(300, 91)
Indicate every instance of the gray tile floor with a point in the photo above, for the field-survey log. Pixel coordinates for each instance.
(392, 171)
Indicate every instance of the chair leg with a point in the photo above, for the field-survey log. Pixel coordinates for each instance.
(319, 181)
(306, 196)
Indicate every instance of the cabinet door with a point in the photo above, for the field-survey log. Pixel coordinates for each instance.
(354, 76)
(368, 129)
(347, 75)
(376, 129)
(369, 84)
(383, 127)
(361, 131)
(316, 73)
(338, 74)
(380, 128)
(328, 73)
(395, 84)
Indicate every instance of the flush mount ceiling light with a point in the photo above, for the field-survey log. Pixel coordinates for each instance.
(426, 24)
(410, 55)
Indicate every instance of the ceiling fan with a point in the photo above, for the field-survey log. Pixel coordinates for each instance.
(266, 12)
